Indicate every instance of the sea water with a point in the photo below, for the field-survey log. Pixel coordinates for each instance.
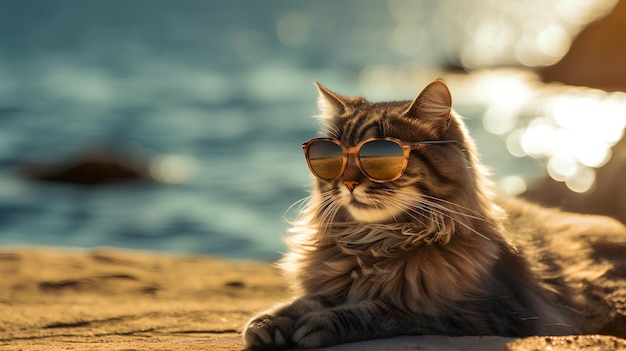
(221, 90)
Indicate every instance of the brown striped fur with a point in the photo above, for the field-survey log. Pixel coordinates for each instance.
(430, 253)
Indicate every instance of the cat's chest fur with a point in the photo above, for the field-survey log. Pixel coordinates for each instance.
(423, 278)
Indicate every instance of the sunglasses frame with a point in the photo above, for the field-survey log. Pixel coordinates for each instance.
(406, 146)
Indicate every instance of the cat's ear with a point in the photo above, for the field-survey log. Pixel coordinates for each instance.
(432, 105)
(330, 104)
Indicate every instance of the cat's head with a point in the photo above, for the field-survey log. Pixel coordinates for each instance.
(435, 175)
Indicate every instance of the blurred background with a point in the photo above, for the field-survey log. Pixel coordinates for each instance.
(176, 125)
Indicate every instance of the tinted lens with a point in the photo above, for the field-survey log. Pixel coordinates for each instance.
(325, 159)
(382, 159)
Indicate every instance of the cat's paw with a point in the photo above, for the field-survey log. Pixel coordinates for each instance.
(316, 329)
(269, 332)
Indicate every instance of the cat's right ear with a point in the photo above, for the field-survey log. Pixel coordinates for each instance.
(330, 104)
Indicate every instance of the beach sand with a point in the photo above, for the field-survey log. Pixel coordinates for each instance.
(115, 299)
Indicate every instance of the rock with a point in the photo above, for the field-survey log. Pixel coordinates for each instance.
(90, 169)
(596, 57)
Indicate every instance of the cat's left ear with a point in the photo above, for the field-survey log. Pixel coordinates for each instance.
(330, 104)
(432, 105)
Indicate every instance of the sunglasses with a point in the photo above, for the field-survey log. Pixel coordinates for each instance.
(381, 160)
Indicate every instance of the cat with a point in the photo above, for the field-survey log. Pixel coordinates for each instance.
(434, 251)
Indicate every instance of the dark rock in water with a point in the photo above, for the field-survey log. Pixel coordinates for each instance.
(91, 170)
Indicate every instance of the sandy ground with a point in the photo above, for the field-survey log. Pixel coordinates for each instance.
(112, 299)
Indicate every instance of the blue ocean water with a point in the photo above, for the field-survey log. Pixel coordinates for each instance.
(223, 87)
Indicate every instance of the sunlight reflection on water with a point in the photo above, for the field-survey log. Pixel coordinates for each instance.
(572, 129)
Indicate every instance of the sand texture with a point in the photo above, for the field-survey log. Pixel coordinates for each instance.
(112, 299)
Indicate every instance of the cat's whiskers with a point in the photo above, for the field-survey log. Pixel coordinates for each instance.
(329, 209)
(298, 207)
(446, 212)
(434, 218)
(326, 206)
(443, 210)
(434, 205)
(332, 213)
(404, 235)
(403, 208)
(408, 200)
(410, 207)
(461, 223)
(476, 215)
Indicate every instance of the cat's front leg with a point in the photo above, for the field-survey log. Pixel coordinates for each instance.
(273, 329)
(367, 319)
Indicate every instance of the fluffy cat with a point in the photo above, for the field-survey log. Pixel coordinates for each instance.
(432, 252)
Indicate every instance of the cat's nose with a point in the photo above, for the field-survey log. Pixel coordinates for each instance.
(352, 175)
(350, 184)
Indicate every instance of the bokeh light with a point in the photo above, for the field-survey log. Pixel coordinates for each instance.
(512, 185)
(293, 29)
(172, 169)
(571, 128)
